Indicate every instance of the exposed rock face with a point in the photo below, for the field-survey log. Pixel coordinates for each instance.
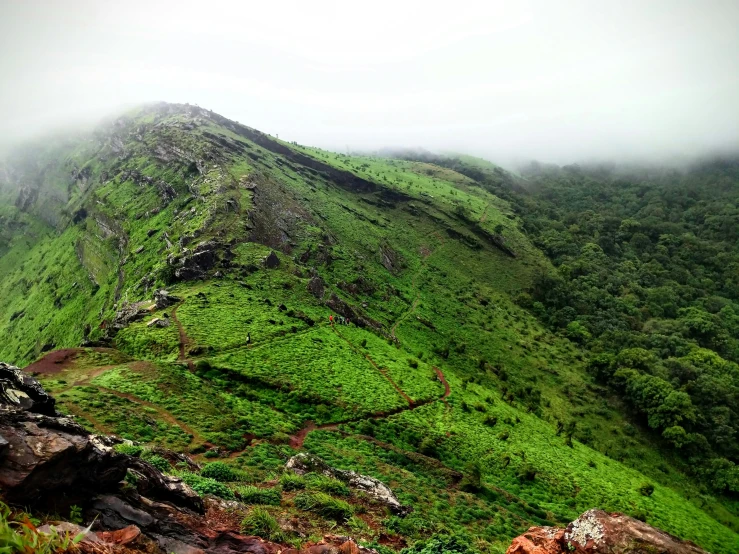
(21, 392)
(390, 259)
(158, 322)
(128, 314)
(194, 265)
(271, 261)
(163, 299)
(598, 532)
(305, 463)
(316, 287)
(47, 457)
(342, 308)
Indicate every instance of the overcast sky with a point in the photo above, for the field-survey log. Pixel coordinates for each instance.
(556, 81)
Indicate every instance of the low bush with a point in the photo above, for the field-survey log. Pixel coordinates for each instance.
(327, 484)
(204, 485)
(646, 489)
(254, 495)
(156, 460)
(324, 505)
(219, 471)
(19, 534)
(290, 481)
(261, 524)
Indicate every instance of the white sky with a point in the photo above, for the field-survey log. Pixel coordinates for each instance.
(556, 81)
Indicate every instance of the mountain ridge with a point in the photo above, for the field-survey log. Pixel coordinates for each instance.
(258, 241)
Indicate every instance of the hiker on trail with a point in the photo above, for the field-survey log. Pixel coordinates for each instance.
(331, 320)
(248, 340)
(347, 321)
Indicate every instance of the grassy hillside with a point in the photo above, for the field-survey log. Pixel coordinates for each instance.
(423, 259)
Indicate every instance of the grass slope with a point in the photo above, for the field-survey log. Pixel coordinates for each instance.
(407, 245)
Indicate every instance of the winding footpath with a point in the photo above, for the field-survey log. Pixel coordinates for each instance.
(184, 339)
(298, 439)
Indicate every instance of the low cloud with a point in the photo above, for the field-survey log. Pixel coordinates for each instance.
(589, 80)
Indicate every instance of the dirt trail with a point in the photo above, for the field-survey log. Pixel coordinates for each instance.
(184, 339)
(298, 439)
(484, 216)
(165, 415)
(382, 370)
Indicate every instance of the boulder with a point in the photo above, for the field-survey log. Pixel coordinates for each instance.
(19, 391)
(50, 458)
(316, 287)
(163, 299)
(271, 261)
(306, 463)
(599, 532)
(152, 483)
(201, 259)
(158, 322)
(128, 314)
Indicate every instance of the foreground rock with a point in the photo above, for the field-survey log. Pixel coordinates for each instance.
(307, 463)
(49, 463)
(598, 532)
(19, 391)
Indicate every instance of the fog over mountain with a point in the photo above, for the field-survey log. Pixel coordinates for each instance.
(508, 81)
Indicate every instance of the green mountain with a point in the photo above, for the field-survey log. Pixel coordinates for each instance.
(461, 379)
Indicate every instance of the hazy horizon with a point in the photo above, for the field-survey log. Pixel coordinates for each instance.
(560, 84)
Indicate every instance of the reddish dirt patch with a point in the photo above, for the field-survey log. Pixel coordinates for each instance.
(56, 361)
(440, 375)
(184, 339)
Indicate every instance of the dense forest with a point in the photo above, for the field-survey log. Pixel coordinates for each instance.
(648, 280)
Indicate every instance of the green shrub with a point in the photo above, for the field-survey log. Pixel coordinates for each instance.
(203, 485)
(290, 481)
(324, 505)
(254, 495)
(646, 489)
(17, 535)
(327, 484)
(218, 471)
(211, 454)
(128, 449)
(261, 524)
(441, 544)
(156, 460)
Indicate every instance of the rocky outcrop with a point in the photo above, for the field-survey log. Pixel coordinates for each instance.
(271, 261)
(128, 313)
(343, 308)
(307, 463)
(390, 259)
(163, 299)
(197, 262)
(598, 532)
(316, 287)
(47, 457)
(18, 391)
